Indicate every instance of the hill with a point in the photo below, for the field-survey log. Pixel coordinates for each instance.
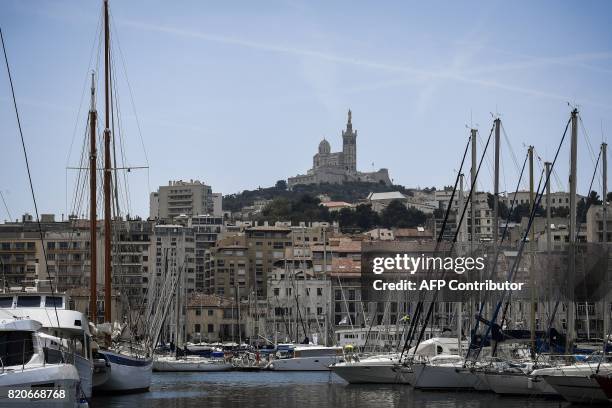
(349, 192)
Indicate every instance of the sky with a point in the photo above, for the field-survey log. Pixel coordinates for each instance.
(238, 94)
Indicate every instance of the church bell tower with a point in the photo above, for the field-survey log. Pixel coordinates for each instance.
(349, 145)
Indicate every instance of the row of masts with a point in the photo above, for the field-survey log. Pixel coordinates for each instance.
(93, 216)
(573, 222)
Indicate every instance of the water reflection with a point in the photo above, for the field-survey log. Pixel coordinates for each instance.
(299, 390)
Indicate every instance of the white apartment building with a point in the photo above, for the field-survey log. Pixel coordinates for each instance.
(186, 198)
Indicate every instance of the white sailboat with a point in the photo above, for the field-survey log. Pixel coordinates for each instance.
(27, 374)
(576, 383)
(379, 369)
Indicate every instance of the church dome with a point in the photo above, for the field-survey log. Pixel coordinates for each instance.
(324, 147)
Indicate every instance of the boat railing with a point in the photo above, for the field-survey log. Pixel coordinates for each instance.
(17, 352)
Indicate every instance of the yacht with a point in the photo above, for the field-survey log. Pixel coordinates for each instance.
(25, 369)
(52, 312)
(378, 369)
(190, 363)
(306, 358)
(513, 378)
(576, 382)
(417, 357)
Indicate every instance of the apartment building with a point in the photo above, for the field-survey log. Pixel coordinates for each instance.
(213, 318)
(187, 198)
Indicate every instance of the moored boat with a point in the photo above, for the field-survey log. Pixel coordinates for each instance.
(26, 376)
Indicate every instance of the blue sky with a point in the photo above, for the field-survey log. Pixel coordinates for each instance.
(239, 94)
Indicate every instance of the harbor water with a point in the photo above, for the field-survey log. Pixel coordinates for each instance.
(300, 390)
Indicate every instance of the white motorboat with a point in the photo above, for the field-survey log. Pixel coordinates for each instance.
(26, 377)
(190, 363)
(307, 358)
(576, 383)
(71, 326)
(380, 369)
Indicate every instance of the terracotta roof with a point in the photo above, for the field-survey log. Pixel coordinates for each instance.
(339, 245)
(345, 267)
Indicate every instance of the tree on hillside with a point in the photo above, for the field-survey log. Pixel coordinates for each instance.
(397, 215)
(281, 185)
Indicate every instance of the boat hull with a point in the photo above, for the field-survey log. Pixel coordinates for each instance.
(127, 373)
(56, 377)
(320, 363)
(191, 365)
(517, 384)
(443, 377)
(362, 373)
(578, 389)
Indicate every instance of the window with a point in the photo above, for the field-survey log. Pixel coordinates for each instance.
(28, 301)
(319, 291)
(211, 328)
(319, 311)
(6, 301)
(196, 327)
(198, 313)
(276, 291)
(53, 301)
(210, 312)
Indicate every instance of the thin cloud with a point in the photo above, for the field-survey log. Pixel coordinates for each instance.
(405, 69)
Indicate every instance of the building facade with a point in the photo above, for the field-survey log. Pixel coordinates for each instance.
(187, 198)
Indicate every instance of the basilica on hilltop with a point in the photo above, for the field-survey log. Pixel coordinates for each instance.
(339, 167)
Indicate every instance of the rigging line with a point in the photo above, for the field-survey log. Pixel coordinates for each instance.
(532, 214)
(512, 153)
(590, 146)
(419, 307)
(588, 196)
(127, 80)
(454, 241)
(25, 154)
(84, 88)
(6, 206)
(490, 167)
(503, 236)
(120, 136)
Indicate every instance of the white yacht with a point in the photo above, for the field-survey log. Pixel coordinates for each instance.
(576, 383)
(307, 358)
(190, 363)
(27, 375)
(57, 320)
(417, 357)
(512, 378)
(378, 369)
(443, 371)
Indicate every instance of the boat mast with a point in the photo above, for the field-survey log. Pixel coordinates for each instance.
(604, 194)
(93, 250)
(107, 171)
(532, 309)
(572, 230)
(496, 184)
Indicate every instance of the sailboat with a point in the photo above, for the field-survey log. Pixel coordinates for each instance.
(129, 371)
